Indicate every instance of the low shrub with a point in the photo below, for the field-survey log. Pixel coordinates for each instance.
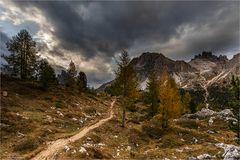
(58, 104)
(192, 124)
(90, 110)
(26, 145)
(171, 142)
(153, 128)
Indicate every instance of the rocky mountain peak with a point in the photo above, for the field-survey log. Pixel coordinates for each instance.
(209, 56)
(148, 62)
(204, 70)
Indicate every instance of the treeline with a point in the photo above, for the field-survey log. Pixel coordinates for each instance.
(24, 63)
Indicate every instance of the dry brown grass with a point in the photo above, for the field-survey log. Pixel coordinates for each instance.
(176, 142)
(30, 112)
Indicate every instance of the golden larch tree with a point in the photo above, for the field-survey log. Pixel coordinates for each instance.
(170, 101)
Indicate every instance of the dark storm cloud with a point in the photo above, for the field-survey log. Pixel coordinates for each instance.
(106, 27)
(3, 40)
(3, 50)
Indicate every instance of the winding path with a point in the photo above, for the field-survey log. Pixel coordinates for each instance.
(56, 146)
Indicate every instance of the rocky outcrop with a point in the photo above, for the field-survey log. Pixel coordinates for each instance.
(157, 62)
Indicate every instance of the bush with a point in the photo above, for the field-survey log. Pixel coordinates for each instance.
(95, 138)
(58, 104)
(132, 108)
(200, 106)
(90, 110)
(137, 138)
(26, 145)
(95, 153)
(153, 128)
(192, 124)
(171, 142)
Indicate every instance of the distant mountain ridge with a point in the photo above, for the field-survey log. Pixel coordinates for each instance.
(203, 70)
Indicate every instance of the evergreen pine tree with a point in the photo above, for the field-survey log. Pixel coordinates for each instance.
(153, 93)
(71, 75)
(82, 81)
(127, 82)
(47, 75)
(22, 61)
(186, 100)
(235, 87)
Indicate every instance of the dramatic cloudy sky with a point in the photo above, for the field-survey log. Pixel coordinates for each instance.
(92, 33)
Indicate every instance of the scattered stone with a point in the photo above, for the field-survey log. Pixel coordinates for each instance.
(20, 134)
(192, 158)
(194, 140)
(4, 125)
(204, 156)
(74, 119)
(210, 132)
(129, 148)
(82, 150)
(87, 145)
(231, 152)
(187, 148)
(81, 121)
(49, 119)
(205, 112)
(225, 113)
(89, 139)
(98, 114)
(60, 113)
(179, 150)
(74, 151)
(101, 144)
(210, 122)
(66, 148)
(5, 93)
(115, 136)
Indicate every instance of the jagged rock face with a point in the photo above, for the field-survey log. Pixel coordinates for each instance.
(149, 62)
(216, 69)
(202, 71)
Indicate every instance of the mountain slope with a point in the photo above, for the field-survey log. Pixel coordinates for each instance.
(204, 68)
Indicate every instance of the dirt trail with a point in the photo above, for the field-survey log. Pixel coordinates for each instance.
(51, 151)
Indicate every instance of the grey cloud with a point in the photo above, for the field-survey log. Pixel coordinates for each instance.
(101, 29)
(3, 39)
(115, 25)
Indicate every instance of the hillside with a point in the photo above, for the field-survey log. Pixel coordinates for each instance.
(192, 137)
(31, 118)
(61, 124)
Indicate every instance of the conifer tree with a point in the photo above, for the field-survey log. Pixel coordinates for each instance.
(22, 60)
(153, 93)
(127, 82)
(186, 100)
(235, 87)
(170, 106)
(47, 75)
(71, 75)
(82, 81)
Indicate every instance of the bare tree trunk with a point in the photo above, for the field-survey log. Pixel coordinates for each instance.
(123, 117)
(238, 134)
